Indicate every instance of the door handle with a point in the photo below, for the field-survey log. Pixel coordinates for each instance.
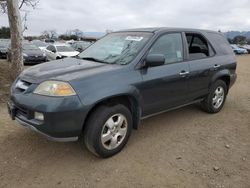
(183, 73)
(216, 66)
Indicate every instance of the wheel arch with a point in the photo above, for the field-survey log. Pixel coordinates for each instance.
(224, 76)
(128, 100)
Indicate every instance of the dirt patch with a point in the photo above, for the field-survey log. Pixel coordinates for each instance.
(5, 81)
(182, 148)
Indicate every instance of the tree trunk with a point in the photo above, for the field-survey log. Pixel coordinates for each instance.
(15, 24)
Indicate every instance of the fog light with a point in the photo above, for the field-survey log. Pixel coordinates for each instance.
(39, 116)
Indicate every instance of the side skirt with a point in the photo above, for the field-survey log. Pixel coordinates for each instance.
(170, 109)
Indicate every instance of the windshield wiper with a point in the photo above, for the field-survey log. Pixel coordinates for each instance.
(93, 59)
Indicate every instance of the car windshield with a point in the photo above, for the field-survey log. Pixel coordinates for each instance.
(29, 47)
(64, 49)
(116, 48)
(4, 44)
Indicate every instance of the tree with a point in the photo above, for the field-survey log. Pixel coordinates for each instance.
(230, 40)
(16, 38)
(49, 34)
(68, 37)
(240, 40)
(77, 33)
(5, 32)
(248, 41)
(16, 33)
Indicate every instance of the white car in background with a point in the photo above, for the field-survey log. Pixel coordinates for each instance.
(59, 51)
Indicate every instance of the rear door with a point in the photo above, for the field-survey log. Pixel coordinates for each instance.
(201, 63)
(165, 86)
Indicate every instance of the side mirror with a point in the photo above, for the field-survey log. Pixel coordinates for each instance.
(53, 51)
(154, 60)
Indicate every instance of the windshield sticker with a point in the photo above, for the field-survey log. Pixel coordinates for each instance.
(134, 38)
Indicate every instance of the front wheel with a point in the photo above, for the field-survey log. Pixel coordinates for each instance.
(215, 100)
(107, 130)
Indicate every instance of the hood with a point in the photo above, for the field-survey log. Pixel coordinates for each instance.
(42, 48)
(69, 54)
(66, 69)
(33, 52)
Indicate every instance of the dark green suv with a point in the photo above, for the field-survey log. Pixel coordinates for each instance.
(101, 95)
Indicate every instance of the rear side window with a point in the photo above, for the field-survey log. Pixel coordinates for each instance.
(198, 46)
(169, 45)
(51, 48)
(220, 43)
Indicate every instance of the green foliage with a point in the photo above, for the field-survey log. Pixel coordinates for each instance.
(68, 37)
(230, 40)
(5, 32)
(240, 40)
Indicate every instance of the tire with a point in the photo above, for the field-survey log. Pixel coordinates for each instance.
(211, 104)
(98, 136)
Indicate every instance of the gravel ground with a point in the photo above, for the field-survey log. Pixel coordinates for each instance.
(182, 148)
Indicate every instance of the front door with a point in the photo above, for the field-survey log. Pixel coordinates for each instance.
(165, 86)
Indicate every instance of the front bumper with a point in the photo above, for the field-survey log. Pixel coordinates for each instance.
(63, 116)
(3, 54)
(67, 139)
(35, 59)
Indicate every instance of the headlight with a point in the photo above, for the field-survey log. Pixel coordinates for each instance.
(55, 88)
(25, 55)
(44, 54)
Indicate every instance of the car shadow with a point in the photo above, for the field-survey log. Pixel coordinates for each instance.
(28, 144)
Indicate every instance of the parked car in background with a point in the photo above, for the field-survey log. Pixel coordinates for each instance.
(40, 44)
(238, 50)
(247, 47)
(69, 42)
(81, 45)
(32, 54)
(50, 41)
(59, 51)
(122, 78)
(4, 44)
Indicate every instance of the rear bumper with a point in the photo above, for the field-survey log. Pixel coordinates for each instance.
(233, 78)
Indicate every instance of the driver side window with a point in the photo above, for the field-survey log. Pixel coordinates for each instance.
(169, 45)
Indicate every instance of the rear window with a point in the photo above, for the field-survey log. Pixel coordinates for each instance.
(220, 43)
(198, 46)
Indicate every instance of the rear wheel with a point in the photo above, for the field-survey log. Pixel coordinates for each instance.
(215, 100)
(107, 130)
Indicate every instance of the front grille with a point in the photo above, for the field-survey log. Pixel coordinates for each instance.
(34, 58)
(21, 86)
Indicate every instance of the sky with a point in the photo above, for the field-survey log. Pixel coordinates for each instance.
(102, 15)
